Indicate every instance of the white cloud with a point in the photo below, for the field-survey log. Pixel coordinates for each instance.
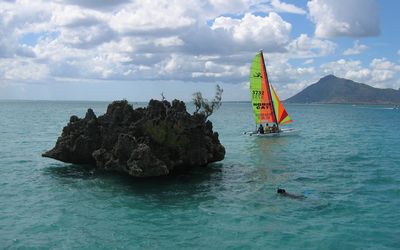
(398, 52)
(73, 16)
(22, 69)
(357, 49)
(149, 16)
(305, 46)
(10, 25)
(384, 64)
(86, 37)
(169, 41)
(284, 7)
(255, 31)
(333, 18)
(383, 71)
(347, 69)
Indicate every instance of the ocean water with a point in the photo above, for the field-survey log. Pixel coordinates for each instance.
(345, 160)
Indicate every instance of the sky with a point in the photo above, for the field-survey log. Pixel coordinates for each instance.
(136, 50)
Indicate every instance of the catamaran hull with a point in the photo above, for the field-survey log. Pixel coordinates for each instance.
(283, 132)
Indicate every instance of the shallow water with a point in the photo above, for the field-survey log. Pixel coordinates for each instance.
(345, 160)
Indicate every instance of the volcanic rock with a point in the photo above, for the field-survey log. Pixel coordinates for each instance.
(141, 142)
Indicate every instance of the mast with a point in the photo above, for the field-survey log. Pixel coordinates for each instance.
(269, 88)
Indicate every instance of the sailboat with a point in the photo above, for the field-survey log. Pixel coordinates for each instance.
(267, 108)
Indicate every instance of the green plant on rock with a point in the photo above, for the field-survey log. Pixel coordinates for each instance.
(205, 107)
(166, 134)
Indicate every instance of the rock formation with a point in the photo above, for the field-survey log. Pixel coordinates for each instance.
(142, 142)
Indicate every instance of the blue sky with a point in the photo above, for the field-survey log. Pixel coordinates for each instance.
(106, 50)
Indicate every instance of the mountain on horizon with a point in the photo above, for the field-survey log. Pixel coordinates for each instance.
(332, 89)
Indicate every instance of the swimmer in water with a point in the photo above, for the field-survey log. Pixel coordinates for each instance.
(283, 192)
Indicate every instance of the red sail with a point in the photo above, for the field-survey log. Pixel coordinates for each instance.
(267, 111)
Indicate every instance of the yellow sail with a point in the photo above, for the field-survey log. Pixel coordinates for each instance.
(282, 117)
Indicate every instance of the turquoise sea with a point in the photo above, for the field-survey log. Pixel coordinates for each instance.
(345, 160)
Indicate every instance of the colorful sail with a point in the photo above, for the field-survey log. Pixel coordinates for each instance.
(267, 108)
(260, 92)
(281, 115)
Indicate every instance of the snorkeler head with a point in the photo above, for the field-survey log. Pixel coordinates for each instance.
(281, 191)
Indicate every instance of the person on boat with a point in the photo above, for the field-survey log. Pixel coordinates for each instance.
(267, 128)
(261, 129)
(283, 192)
(274, 129)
